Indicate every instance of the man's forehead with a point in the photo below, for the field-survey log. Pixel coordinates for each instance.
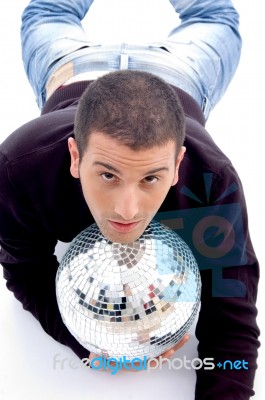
(99, 141)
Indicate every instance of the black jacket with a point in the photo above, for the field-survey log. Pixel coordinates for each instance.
(41, 203)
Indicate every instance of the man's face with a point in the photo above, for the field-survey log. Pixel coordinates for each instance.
(124, 188)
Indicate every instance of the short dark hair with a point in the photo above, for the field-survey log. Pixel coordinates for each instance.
(138, 109)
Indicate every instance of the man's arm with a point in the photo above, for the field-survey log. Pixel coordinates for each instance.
(34, 288)
(27, 255)
(227, 330)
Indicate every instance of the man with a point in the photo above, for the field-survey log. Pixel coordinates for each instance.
(122, 137)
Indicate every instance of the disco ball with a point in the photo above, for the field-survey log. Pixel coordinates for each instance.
(134, 300)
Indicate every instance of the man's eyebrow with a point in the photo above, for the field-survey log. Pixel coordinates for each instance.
(154, 171)
(108, 166)
(113, 169)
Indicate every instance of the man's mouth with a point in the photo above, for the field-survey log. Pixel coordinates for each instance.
(124, 227)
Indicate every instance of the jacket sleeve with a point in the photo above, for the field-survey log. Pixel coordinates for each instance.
(28, 260)
(227, 330)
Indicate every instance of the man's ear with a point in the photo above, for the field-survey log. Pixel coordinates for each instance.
(178, 161)
(74, 153)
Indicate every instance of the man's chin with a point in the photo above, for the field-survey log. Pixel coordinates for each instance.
(122, 238)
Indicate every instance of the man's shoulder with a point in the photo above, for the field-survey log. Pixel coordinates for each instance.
(36, 155)
(42, 134)
(202, 151)
(206, 174)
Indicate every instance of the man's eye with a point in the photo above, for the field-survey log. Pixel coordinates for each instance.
(150, 179)
(107, 176)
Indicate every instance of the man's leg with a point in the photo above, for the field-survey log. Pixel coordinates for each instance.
(50, 31)
(207, 46)
(203, 52)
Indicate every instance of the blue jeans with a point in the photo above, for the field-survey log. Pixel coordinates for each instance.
(199, 56)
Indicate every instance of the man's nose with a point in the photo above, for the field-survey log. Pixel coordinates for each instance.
(127, 205)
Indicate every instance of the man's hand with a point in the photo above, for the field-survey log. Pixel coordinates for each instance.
(169, 353)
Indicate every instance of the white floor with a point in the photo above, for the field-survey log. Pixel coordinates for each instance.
(27, 354)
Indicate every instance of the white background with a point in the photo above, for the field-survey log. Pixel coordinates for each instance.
(237, 125)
